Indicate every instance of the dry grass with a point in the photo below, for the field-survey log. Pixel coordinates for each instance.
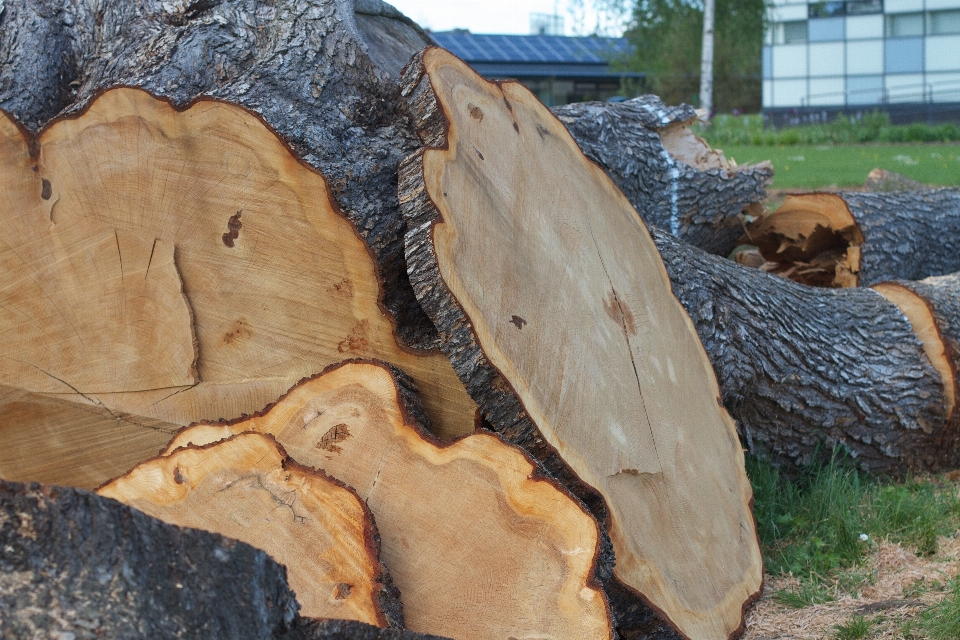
(899, 587)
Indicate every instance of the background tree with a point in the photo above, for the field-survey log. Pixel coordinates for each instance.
(666, 35)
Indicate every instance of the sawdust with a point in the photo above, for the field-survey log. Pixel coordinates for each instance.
(898, 586)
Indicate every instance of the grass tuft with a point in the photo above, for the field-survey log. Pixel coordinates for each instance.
(825, 520)
(856, 629)
(942, 621)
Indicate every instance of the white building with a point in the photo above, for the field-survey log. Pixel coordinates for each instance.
(861, 53)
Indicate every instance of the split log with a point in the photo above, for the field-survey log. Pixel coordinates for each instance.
(75, 564)
(933, 307)
(851, 239)
(313, 629)
(556, 312)
(671, 177)
(246, 488)
(461, 523)
(803, 367)
(163, 267)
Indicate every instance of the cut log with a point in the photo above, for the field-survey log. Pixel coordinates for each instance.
(163, 267)
(851, 239)
(556, 312)
(75, 564)
(933, 307)
(884, 181)
(246, 488)
(351, 630)
(671, 177)
(334, 101)
(803, 369)
(461, 524)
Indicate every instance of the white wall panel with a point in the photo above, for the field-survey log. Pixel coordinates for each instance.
(789, 93)
(945, 87)
(865, 57)
(789, 61)
(826, 91)
(861, 27)
(942, 53)
(933, 5)
(902, 6)
(826, 59)
(767, 94)
(906, 87)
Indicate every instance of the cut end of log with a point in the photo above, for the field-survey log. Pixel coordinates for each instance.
(689, 148)
(169, 265)
(544, 283)
(478, 546)
(812, 239)
(921, 316)
(246, 488)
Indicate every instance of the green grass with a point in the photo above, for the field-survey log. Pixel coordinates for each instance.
(847, 165)
(856, 629)
(942, 621)
(824, 522)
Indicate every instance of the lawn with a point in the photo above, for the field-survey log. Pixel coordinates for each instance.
(847, 165)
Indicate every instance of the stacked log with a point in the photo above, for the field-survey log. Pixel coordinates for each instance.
(674, 180)
(554, 307)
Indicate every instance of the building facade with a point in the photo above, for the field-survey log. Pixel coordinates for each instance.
(558, 69)
(826, 57)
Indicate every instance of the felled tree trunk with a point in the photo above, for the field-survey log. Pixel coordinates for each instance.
(671, 177)
(246, 488)
(854, 239)
(803, 367)
(76, 563)
(478, 543)
(163, 267)
(933, 307)
(555, 310)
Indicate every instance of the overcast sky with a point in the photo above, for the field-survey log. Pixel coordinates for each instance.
(493, 16)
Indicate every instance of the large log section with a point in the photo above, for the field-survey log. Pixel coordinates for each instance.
(163, 267)
(801, 366)
(671, 177)
(478, 545)
(851, 239)
(555, 309)
(246, 488)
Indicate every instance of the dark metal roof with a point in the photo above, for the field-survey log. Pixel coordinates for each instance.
(553, 50)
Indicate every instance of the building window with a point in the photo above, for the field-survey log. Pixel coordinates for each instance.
(904, 25)
(941, 23)
(826, 9)
(790, 32)
(862, 7)
(903, 55)
(825, 29)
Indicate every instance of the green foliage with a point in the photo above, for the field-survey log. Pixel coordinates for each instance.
(942, 621)
(871, 127)
(858, 627)
(827, 518)
(667, 37)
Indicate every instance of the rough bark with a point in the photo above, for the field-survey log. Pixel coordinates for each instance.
(933, 307)
(162, 267)
(554, 308)
(79, 565)
(803, 367)
(461, 523)
(248, 489)
(859, 239)
(321, 73)
(671, 177)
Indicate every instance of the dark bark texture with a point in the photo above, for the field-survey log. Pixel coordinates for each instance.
(802, 369)
(75, 563)
(701, 208)
(317, 629)
(942, 295)
(907, 235)
(502, 410)
(322, 73)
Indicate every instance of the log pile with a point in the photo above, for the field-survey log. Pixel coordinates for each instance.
(406, 332)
